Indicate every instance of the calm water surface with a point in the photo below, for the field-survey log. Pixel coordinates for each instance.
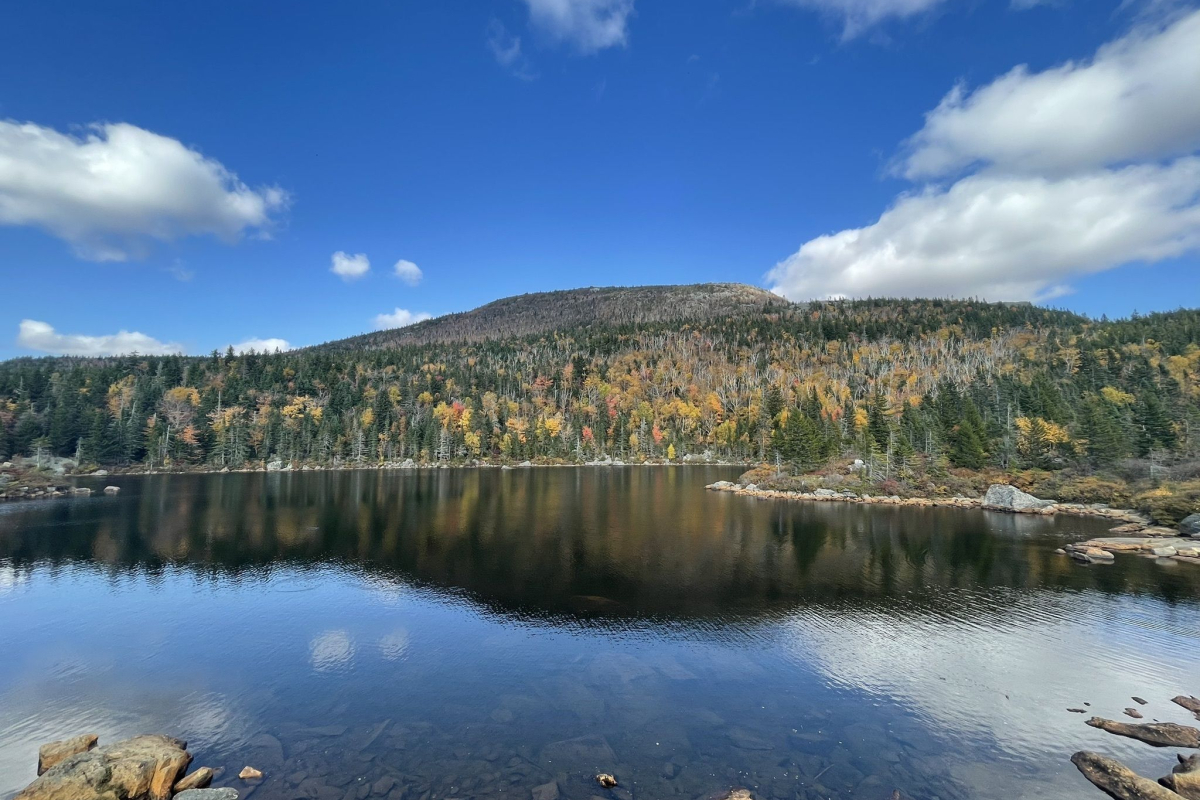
(476, 633)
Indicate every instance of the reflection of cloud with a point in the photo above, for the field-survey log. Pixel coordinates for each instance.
(394, 645)
(1003, 671)
(210, 718)
(331, 650)
(10, 579)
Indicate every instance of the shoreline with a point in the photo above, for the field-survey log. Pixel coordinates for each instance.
(1137, 534)
(1125, 515)
(58, 487)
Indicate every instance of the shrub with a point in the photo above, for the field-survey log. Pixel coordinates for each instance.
(1170, 503)
(1114, 492)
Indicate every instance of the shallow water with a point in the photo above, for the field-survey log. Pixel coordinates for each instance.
(476, 633)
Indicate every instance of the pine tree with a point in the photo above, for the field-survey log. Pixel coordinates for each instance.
(877, 421)
(1101, 427)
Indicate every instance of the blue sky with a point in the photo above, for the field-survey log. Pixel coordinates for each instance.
(187, 171)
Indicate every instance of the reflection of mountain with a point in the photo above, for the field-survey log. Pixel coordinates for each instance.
(585, 543)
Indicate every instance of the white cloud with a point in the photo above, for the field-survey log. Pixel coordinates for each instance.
(1138, 98)
(349, 267)
(857, 16)
(589, 25)
(112, 189)
(261, 346)
(400, 318)
(42, 337)
(506, 49)
(1004, 237)
(408, 272)
(1073, 174)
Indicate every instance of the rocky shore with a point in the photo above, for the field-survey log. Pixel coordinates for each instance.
(142, 768)
(48, 487)
(1118, 781)
(155, 767)
(1136, 534)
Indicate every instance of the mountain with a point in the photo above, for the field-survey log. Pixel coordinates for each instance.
(542, 312)
(935, 396)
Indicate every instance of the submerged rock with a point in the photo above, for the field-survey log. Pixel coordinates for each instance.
(250, 774)
(141, 767)
(732, 794)
(1159, 734)
(606, 780)
(1184, 780)
(1117, 780)
(56, 752)
(1010, 498)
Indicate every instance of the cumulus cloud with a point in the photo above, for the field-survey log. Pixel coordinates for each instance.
(588, 25)
(261, 346)
(400, 318)
(348, 267)
(1002, 237)
(113, 189)
(41, 336)
(857, 16)
(1136, 99)
(408, 272)
(1077, 169)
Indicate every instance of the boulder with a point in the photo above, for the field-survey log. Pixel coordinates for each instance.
(1010, 498)
(1192, 704)
(1190, 526)
(199, 779)
(141, 767)
(1158, 734)
(1091, 555)
(111, 490)
(57, 752)
(1117, 780)
(208, 794)
(1184, 780)
(274, 466)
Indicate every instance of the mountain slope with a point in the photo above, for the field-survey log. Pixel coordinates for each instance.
(541, 312)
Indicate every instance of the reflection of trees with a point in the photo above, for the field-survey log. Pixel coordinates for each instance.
(609, 542)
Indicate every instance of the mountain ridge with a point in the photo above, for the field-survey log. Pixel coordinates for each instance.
(542, 312)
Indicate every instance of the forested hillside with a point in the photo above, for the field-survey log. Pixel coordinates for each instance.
(915, 388)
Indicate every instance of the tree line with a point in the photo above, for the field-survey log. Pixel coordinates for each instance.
(902, 385)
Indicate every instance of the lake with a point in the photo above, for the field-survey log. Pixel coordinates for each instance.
(476, 633)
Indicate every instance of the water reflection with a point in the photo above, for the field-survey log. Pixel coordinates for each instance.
(477, 633)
